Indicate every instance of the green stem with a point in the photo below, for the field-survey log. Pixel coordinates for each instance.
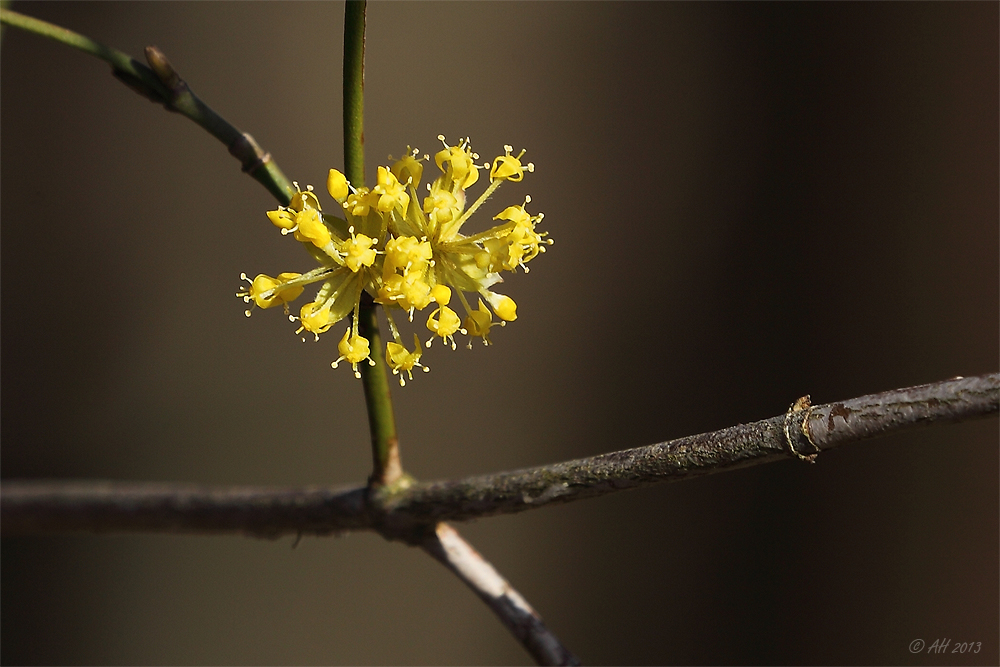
(120, 62)
(387, 469)
(354, 92)
(161, 84)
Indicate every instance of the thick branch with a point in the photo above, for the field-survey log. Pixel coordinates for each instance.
(764, 441)
(108, 506)
(32, 507)
(451, 550)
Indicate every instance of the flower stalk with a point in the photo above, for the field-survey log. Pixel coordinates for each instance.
(387, 468)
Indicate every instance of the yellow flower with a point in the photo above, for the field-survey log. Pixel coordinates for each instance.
(408, 169)
(309, 227)
(336, 185)
(315, 318)
(462, 169)
(401, 360)
(508, 167)
(478, 324)
(407, 253)
(391, 193)
(358, 252)
(353, 349)
(266, 291)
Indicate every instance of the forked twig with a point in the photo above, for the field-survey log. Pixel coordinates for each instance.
(451, 550)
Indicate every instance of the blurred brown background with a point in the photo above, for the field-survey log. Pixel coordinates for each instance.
(750, 203)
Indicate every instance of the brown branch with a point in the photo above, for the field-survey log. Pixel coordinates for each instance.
(51, 506)
(451, 550)
(739, 446)
(103, 506)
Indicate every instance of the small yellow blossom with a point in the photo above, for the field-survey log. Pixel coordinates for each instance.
(508, 167)
(315, 319)
(406, 252)
(503, 306)
(266, 291)
(462, 169)
(358, 252)
(478, 324)
(391, 193)
(444, 322)
(310, 227)
(408, 169)
(401, 360)
(336, 185)
(353, 349)
(359, 202)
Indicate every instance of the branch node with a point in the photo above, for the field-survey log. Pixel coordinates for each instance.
(802, 404)
(245, 149)
(140, 87)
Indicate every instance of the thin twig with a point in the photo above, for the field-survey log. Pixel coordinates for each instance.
(122, 64)
(161, 84)
(447, 546)
(57, 506)
(354, 92)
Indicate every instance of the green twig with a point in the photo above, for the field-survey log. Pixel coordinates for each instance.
(121, 63)
(161, 84)
(354, 92)
(255, 160)
(387, 469)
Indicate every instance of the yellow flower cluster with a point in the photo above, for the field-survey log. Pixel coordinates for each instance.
(405, 253)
